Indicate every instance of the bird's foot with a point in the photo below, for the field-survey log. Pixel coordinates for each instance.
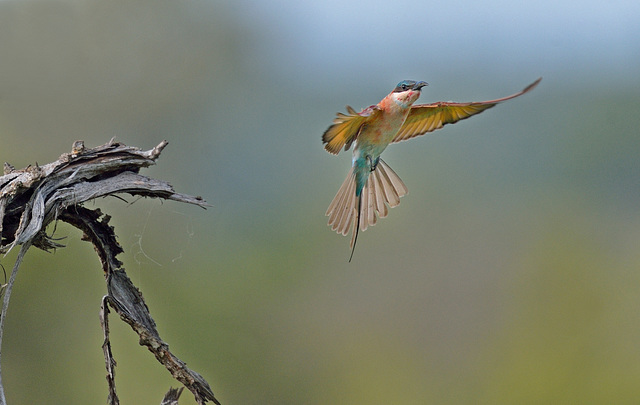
(373, 163)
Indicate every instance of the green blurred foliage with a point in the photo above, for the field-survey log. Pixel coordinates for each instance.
(509, 274)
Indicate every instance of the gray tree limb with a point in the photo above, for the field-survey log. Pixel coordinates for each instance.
(32, 198)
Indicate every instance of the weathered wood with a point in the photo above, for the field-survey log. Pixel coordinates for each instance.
(110, 362)
(33, 197)
(172, 396)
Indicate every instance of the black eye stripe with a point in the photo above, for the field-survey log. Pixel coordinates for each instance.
(404, 86)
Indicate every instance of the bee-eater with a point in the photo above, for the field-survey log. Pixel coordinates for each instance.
(371, 185)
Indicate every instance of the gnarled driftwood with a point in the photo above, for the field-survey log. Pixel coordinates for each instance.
(33, 197)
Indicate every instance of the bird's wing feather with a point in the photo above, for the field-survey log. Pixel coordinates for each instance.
(345, 128)
(429, 117)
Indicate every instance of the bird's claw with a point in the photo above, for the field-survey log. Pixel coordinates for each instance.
(373, 163)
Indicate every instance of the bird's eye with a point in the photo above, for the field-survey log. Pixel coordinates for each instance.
(403, 86)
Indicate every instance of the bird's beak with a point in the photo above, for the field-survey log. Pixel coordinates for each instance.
(419, 85)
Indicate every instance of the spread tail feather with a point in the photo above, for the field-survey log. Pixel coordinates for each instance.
(350, 212)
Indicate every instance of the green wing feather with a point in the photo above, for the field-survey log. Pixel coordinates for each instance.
(426, 118)
(345, 129)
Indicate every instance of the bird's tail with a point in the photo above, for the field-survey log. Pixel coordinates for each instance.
(350, 212)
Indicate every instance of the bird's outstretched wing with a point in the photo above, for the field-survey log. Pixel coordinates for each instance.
(425, 118)
(345, 128)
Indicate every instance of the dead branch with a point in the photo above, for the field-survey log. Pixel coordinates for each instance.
(33, 197)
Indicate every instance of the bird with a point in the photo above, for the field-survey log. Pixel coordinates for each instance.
(372, 187)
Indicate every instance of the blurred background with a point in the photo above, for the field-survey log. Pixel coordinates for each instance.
(508, 274)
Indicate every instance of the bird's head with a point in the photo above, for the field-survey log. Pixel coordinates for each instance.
(407, 92)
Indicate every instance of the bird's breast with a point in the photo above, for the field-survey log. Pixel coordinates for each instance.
(377, 134)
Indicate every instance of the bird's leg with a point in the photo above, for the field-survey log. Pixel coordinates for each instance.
(373, 163)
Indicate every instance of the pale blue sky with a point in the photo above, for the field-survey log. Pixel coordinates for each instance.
(333, 37)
